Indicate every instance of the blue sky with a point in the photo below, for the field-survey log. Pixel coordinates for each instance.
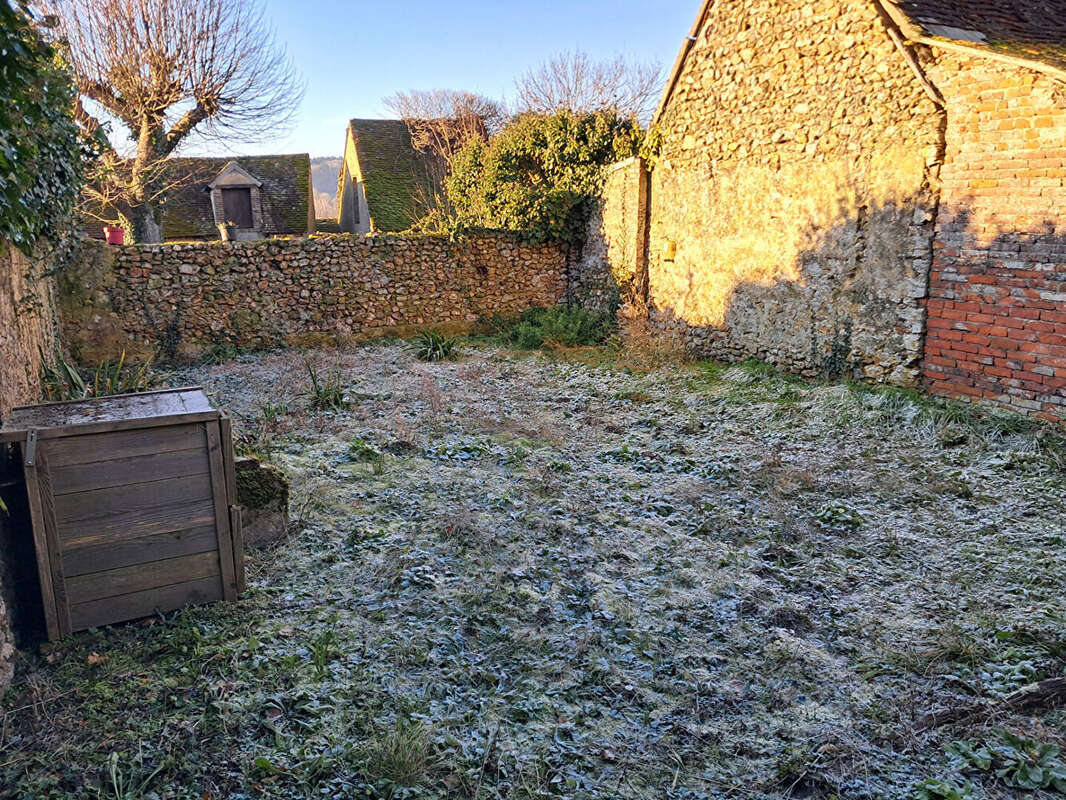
(352, 54)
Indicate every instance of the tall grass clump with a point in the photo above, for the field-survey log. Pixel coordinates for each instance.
(61, 380)
(558, 326)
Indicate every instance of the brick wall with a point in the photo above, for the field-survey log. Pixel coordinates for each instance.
(793, 201)
(997, 295)
(180, 299)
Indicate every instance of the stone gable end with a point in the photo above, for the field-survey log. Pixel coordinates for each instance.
(792, 205)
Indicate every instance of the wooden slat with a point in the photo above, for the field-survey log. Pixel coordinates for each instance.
(138, 523)
(142, 604)
(113, 554)
(118, 412)
(51, 537)
(237, 527)
(142, 577)
(218, 485)
(125, 444)
(40, 546)
(125, 471)
(102, 504)
(125, 425)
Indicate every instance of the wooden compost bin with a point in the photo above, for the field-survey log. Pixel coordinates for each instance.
(133, 505)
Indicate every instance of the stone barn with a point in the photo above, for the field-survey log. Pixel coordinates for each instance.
(867, 188)
(385, 183)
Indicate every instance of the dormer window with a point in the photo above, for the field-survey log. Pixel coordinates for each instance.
(236, 200)
(237, 205)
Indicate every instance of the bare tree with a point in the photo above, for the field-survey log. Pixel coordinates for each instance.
(441, 121)
(166, 70)
(575, 81)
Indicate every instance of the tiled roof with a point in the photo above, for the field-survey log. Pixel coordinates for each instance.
(397, 178)
(286, 194)
(1033, 30)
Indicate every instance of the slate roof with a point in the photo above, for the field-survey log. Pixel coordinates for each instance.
(187, 214)
(1032, 30)
(397, 179)
(286, 195)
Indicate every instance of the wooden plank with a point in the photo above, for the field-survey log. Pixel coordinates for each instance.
(237, 527)
(122, 425)
(226, 431)
(113, 554)
(126, 444)
(128, 471)
(101, 504)
(54, 419)
(142, 604)
(142, 577)
(218, 484)
(40, 546)
(138, 523)
(51, 538)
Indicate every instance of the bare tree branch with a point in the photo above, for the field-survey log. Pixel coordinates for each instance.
(576, 82)
(168, 70)
(441, 122)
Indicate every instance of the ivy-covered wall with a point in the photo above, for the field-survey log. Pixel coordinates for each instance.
(42, 163)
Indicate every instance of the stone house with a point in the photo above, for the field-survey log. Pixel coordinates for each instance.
(869, 188)
(262, 195)
(385, 184)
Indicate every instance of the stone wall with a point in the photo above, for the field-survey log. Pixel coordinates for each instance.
(796, 184)
(27, 326)
(611, 263)
(997, 303)
(176, 300)
(27, 329)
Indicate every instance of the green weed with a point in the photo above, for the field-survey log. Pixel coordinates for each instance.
(556, 326)
(1016, 760)
(432, 346)
(326, 392)
(61, 380)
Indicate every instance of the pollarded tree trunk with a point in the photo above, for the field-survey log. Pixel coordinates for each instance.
(141, 222)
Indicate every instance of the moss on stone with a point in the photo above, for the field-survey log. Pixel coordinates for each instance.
(261, 486)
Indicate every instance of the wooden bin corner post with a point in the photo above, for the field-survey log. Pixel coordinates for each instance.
(222, 510)
(45, 539)
(236, 525)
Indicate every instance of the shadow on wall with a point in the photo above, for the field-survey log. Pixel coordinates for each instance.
(997, 313)
(838, 296)
(975, 312)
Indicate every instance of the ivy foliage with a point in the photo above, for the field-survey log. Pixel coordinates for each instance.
(541, 173)
(43, 156)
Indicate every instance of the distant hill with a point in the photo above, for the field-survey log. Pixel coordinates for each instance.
(324, 171)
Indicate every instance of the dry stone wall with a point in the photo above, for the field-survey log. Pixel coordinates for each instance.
(611, 263)
(793, 202)
(997, 303)
(179, 299)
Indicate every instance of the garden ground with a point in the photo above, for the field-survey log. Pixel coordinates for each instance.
(535, 575)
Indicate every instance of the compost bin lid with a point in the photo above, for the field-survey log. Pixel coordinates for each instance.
(100, 414)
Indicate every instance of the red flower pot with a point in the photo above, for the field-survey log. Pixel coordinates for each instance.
(115, 235)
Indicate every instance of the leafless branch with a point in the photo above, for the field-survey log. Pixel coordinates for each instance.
(167, 70)
(577, 82)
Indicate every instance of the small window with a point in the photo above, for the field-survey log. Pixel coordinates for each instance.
(237, 207)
